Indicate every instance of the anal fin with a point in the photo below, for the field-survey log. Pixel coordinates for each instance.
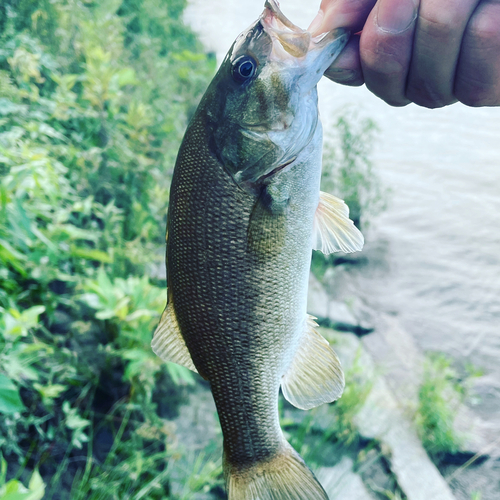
(333, 230)
(168, 342)
(315, 375)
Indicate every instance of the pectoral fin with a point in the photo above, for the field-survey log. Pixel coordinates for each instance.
(333, 230)
(168, 342)
(315, 375)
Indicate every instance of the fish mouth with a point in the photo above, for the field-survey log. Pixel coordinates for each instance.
(295, 41)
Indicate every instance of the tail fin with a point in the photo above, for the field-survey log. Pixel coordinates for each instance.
(284, 477)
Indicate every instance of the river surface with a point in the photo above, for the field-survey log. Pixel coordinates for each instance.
(434, 255)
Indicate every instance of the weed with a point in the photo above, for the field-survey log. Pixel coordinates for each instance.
(348, 171)
(357, 389)
(439, 396)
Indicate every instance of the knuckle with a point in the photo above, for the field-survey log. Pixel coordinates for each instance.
(441, 23)
(482, 31)
(477, 80)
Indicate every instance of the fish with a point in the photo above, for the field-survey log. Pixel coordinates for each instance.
(245, 213)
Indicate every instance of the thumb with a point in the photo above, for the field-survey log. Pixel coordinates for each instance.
(349, 14)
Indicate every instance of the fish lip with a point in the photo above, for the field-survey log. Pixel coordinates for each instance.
(272, 7)
(296, 41)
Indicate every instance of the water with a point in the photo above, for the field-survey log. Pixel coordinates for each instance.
(434, 255)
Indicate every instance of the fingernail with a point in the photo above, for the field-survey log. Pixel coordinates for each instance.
(316, 23)
(340, 75)
(396, 16)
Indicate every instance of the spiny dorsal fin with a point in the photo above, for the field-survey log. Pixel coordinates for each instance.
(168, 342)
(333, 230)
(315, 375)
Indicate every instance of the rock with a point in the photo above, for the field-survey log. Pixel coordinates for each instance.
(402, 363)
(341, 482)
(335, 314)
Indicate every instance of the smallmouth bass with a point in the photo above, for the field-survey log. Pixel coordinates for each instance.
(245, 212)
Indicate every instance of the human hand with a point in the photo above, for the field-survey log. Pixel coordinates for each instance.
(430, 52)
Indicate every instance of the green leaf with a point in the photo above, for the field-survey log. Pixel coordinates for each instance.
(126, 76)
(73, 420)
(50, 391)
(15, 490)
(10, 401)
(3, 470)
(180, 374)
(36, 487)
(91, 254)
(18, 323)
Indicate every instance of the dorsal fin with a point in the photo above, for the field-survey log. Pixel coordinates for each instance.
(315, 375)
(333, 230)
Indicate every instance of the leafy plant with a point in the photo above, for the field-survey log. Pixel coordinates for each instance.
(348, 170)
(10, 401)
(440, 394)
(15, 490)
(94, 98)
(356, 391)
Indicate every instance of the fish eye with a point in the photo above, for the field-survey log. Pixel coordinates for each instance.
(244, 68)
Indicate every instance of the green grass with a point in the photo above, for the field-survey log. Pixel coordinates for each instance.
(441, 392)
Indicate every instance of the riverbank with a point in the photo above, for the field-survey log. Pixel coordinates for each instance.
(472, 470)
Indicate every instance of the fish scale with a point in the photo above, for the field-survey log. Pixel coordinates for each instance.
(245, 211)
(219, 296)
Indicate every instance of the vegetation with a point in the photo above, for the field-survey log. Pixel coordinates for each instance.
(348, 170)
(441, 392)
(94, 98)
(14, 489)
(349, 174)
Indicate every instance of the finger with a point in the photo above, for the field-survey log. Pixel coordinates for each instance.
(347, 67)
(386, 48)
(477, 81)
(440, 28)
(349, 14)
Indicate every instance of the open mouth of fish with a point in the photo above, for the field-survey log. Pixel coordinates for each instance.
(296, 41)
